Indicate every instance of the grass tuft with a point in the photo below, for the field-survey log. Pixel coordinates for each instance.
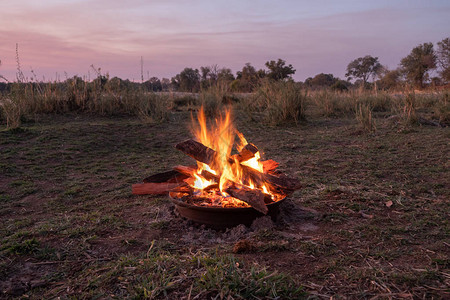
(364, 117)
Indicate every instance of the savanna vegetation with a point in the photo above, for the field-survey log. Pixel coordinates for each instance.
(371, 152)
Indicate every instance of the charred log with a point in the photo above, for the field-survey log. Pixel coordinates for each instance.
(255, 198)
(197, 151)
(168, 176)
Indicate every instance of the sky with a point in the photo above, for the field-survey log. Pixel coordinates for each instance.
(60, 39)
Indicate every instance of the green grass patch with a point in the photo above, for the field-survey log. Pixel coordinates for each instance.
(206, 276)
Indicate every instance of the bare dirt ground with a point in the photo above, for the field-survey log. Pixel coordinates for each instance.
(371, 221)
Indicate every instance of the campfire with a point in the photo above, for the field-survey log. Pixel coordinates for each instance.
(232, 183)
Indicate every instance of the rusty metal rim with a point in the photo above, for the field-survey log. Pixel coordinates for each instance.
(220, 209)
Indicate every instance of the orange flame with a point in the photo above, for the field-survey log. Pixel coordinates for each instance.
(221, 138)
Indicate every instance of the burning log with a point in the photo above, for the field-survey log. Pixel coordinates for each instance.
(187, 171)
(269, 166)
(204, 154)
(253, 197)
(168, 176)
(197, 151)
(278, 183)
(247, 153)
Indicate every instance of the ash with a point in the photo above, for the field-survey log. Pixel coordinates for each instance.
(290, 215)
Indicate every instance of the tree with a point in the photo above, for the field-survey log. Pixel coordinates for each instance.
(209, 75)
(321, 80)
(443, 58)
(153, 84)
(418, 63)
(187, 81)
(247, 79)
(278, 70)
(340, 85)
(165, 84)
(362, 68)
(225, 75)
(389, 79)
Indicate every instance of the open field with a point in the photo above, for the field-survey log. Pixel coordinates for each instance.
(371, 221)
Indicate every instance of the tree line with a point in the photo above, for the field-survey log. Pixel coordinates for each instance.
(367, 71)
(414, 69)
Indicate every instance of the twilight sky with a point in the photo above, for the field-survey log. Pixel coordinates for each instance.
(68, 36)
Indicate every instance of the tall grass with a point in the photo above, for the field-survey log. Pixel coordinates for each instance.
(11, 111)
(442, 109)
(272, 102)
(153, 108)
(214, 98)
(363, 114)
(333, 104)
(406, 110)
(278, 102)
(101, 97)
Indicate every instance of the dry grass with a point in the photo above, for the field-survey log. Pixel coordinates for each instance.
(363, 115)
(277, 102)
(213, 99)
(407, 111)
(25, 100)
(11, 109)
(273, 103)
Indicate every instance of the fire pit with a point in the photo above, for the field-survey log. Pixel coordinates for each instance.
(222, 189)
(220, 217)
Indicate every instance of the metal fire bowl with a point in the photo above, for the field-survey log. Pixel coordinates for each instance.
(223, 217)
